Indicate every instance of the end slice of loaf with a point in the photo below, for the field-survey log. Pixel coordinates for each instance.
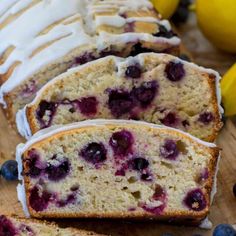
(156, 88)
(12, 226)
(117, 169)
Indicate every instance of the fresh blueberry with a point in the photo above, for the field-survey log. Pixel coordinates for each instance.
(121, 142)
(94, 153)
(146, 177)
(39, 200)
(56, 173)
(9, 170)
(170, 120)
(159, 194)
(139, 163)
(120, 102)
(195, 200)
(163, 32)
(46, 108)
(174, 71)
(206, 118)
(133, 71)
(146, 93)
(6, 227)
(169, 150)
(224, 230)
(88, 106)
(34, 165)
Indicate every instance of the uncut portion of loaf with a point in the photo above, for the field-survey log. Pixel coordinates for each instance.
(139, 88)
(14, 226)
(117, 169)
(38, 45)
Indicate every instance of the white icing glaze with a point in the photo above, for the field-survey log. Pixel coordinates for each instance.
(206, 224)
(22, 198)
(22, 124)
(22, 33)
(5, 5)
(105, 39)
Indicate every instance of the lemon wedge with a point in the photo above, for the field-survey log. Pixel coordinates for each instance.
(228, 88)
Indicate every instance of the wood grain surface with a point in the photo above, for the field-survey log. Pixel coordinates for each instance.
(224, 207)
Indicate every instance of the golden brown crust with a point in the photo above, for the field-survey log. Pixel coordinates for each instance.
(181, 215)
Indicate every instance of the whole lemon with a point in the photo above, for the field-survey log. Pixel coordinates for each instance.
(217, 20)
(165, 7)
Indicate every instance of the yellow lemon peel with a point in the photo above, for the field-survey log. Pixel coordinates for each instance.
(228, 89)
(165, 7)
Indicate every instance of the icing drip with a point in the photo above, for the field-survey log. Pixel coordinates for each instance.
(5, 5)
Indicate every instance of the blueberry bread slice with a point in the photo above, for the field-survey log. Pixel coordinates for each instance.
(38, 45)
(156, 88)
(14, 226)
(117, 169)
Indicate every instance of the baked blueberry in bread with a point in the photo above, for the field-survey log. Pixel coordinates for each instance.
(37, 45)
(14, 226)
(116, 169)
(156, 88)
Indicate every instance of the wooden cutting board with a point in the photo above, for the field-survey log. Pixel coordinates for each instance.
(224, 206)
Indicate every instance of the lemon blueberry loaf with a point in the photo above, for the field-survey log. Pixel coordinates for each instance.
(156, 88)
(14, 226)
(38, 45)
(116, 168)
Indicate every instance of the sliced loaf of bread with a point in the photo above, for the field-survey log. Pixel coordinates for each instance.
(117, 169)
(156, 88)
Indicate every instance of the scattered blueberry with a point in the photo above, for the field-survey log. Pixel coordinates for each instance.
(88, 106)
(224, 230)
(174, 71)
(146, 93)
(195, 200)
(170, 120)
(139, 163)
(94, 153)
(39, 201)
(167, 234)
(56, 173)
(163, 32)
(206, 118)
(234, 190)
(9, 170)
(133, 71)
(6, 227)
(121, 142)
(169, 150)
(120, 102)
